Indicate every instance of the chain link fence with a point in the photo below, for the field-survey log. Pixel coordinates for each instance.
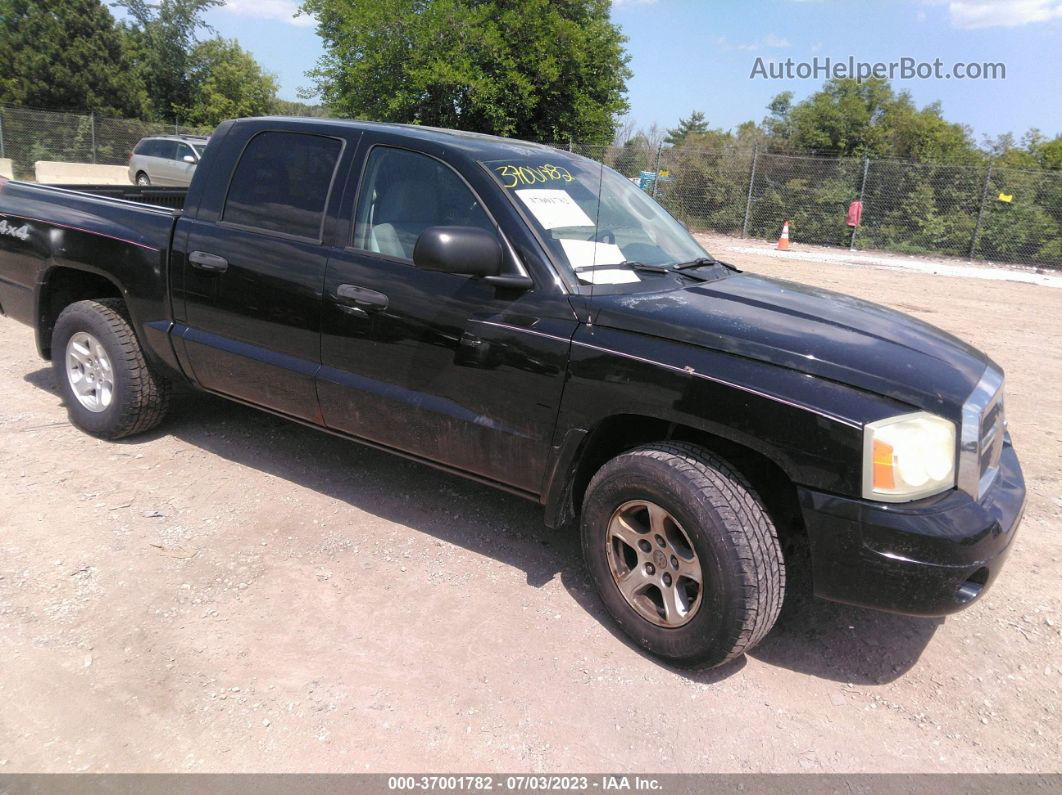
(974, 210)
(28, 135)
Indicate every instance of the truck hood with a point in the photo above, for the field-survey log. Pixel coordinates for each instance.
(815, 331)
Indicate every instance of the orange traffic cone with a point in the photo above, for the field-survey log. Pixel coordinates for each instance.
(783, 241)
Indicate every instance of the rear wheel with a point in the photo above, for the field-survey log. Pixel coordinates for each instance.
(107, 385)
(143, 180)
(682, 553)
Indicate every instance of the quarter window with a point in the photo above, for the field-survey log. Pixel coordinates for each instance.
(281, 183)
(405, 193)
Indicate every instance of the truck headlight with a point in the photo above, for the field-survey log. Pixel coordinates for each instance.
(908, 457)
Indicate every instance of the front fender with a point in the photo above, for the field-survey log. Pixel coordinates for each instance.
(810, 427)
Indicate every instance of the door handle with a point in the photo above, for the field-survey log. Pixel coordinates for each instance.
(211, 263)
(360, 297)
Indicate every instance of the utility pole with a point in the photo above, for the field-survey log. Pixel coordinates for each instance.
(92, 127)
(752, 181)
(862, 189)
(656, 169)
(981, 211)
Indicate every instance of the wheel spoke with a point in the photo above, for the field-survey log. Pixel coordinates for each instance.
(675, 607)
(80, 353)
(657, 518)
(621, 529)
(689, 569)
(632, 583)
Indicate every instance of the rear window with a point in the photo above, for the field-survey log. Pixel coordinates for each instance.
(281, 183)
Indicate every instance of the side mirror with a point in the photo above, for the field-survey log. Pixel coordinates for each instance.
(458, 249)
(188, 159)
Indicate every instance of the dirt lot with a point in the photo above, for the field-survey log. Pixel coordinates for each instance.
(235, 592)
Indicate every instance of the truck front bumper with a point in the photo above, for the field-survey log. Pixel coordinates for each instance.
(930, 558)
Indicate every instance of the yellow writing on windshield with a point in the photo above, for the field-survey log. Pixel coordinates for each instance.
(515, 176)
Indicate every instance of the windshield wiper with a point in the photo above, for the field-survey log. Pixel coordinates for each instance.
(701, 262)
(641, 267)
(635, 266)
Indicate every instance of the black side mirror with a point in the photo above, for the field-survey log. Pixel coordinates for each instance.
(458, 249)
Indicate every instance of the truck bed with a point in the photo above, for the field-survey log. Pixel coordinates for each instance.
(47, 226)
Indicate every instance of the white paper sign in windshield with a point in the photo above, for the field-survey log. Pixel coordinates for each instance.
(588, 253)
(554, 208)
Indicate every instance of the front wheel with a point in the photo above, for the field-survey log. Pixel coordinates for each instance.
(682, 553)
(143, 180)
(107, 385)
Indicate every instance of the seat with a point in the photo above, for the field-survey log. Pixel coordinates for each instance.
(406, 208)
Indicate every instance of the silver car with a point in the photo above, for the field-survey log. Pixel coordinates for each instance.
(165, 160)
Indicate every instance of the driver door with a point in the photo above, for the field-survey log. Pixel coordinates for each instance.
(427, 363)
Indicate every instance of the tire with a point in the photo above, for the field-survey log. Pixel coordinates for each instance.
(143, 180)
(712, 520)
(137, 398)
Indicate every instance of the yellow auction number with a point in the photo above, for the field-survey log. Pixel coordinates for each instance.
(532, 175)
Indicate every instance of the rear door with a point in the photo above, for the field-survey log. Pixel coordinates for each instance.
(252, 275)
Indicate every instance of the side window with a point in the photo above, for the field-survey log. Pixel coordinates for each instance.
(143, 148)
(281, 183)
(164, 148)
(404, 193)
(183, 150)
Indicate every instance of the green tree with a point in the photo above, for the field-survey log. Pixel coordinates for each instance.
(851, 117)
(226, 82)
(65, 54)
(694, 124)
(548, 71)
(286, 107)
(160, 38)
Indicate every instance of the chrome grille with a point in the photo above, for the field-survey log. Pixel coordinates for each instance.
(983, 430)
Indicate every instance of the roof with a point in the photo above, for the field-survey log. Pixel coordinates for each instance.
(473, 143)
(177, 137)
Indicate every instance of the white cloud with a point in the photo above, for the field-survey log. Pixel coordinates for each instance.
(1002, 13)
(282, 10)
(770, 41)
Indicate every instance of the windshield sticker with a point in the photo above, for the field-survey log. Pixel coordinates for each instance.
(554, 208)
(514, 176)
(588, 253)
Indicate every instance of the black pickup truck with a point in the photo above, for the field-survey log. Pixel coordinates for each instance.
(531, 319)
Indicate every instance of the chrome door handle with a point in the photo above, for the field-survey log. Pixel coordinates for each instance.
(363, 297)
(211, 263)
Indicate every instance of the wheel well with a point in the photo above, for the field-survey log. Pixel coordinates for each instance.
(63, 287)
(615, 435)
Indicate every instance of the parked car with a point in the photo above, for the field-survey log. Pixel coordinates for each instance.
(530, 319)
(166, 160)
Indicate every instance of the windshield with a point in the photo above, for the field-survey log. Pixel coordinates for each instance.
(590, 216)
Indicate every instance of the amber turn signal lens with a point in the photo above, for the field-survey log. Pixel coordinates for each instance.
(884, 478)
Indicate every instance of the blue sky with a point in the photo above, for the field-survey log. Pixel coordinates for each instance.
(698, 54)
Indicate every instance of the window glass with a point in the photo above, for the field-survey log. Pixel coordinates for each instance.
(164, 148)
(144, 147)
(281, 183)
(183, 150)
(404, 194)
(590, 216)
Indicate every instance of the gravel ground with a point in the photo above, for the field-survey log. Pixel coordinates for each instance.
(237, 593)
